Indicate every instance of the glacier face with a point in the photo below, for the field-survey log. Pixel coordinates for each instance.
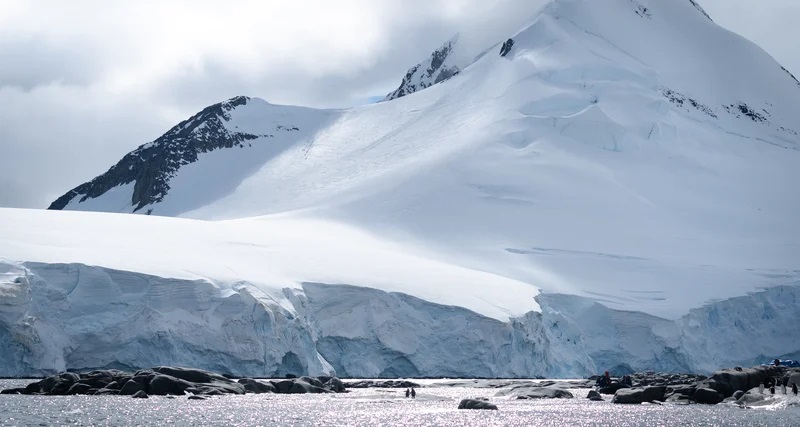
(629, 158)
(72, 316)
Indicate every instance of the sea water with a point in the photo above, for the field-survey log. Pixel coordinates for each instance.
(435, 405)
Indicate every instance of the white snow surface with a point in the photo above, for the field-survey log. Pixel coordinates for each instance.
(626, 152)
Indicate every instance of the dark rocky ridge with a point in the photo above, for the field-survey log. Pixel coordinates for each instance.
(152, 165)
(435, 73)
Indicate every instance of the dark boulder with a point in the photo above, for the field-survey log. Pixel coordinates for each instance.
(476, 404)
(738, 394)
(80, 388)
(253, 386)
(191, 375)
(13, 391)
(196, 397)
(612, 388)
(542, 393)
(728, 381)
(140, 395)
(283, 386)
(164, 384)
(106, 392)
(707, 396)
(333, 384)
(132, 386)
(640, 395)
(594, 395)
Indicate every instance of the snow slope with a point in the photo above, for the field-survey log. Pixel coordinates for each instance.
(626, 152)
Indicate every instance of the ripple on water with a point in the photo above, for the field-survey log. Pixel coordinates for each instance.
(369, 407)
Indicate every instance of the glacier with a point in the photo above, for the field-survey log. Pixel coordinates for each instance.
(615, 189)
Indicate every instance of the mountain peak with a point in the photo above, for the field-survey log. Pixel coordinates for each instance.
(438, 67)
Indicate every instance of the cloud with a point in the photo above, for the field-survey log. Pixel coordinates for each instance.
(84, 82)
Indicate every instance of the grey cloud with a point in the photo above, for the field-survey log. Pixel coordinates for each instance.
(33, 62)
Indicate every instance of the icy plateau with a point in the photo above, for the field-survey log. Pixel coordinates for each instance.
(613, 185)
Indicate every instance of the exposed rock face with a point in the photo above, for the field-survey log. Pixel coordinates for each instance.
(506, 47)
(435, 69)
(152, 165)
(476, 404)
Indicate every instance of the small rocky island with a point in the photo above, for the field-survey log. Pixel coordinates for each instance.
(165, 380)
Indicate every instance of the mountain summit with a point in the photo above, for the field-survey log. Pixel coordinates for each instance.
(611, 184)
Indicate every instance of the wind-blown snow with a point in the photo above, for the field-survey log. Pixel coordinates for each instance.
(626, 152)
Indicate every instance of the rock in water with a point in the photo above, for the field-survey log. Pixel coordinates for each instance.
(257, 387)
(165, 384)
(707, 396)
(476, 404)
(594, 395)
(640, 395)
(611, 388)
(140, 395)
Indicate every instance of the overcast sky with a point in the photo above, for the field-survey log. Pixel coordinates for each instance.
(84, 82)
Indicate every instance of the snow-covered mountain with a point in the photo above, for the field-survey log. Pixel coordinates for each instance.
(613, 184)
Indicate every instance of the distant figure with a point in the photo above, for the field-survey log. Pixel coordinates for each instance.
(413, 393)
(761, 387)
(794, 388)
(607, 378)
(777, 362)
(772, 390)
(785, 384)
(408, 392)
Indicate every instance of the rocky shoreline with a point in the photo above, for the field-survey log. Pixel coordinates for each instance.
(737, 385)
(171, 381)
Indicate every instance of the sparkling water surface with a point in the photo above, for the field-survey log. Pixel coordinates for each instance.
(434, 406)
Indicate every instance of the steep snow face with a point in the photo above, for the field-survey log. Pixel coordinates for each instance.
(440, 66)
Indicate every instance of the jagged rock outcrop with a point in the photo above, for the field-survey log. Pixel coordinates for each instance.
(435, 69)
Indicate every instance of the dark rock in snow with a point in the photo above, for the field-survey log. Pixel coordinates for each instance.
(196, 397)
(476, 404)
(738, 394)
(506, 47)
(140, 395)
